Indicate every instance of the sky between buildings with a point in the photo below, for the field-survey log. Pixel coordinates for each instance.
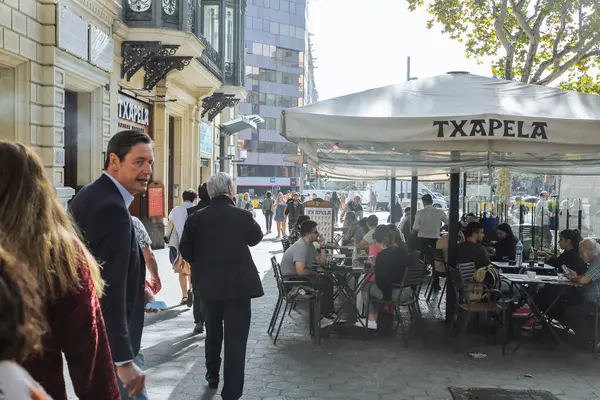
(362, 44)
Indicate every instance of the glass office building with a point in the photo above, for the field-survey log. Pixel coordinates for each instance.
(276, 67)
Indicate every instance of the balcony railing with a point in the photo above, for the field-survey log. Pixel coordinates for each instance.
(185, 15)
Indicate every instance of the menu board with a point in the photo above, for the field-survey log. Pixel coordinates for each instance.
(322, 213)
(156, 204)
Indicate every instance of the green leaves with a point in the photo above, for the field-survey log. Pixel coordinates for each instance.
(531, 41)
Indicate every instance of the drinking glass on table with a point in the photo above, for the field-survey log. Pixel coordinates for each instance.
(541, 261)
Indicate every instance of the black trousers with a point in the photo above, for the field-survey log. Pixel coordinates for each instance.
(197, 305)
(197, 308)
(427, 248)
(228, 320)
(579, 318)
(269, 220)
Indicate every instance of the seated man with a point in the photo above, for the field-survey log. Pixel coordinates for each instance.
(298, 260)
(367, 240)
(471, 250)
(361, 230)
(350, 224)
(295, 233)
(578, 316)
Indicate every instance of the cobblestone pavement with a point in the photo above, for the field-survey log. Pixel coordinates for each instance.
(350, 364)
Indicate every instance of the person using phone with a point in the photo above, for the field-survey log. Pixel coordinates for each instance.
(577, 314)
(569, 241)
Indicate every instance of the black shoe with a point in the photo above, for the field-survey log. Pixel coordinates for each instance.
(437, 288)
(213, 382)
(199, 328)
(190, 299)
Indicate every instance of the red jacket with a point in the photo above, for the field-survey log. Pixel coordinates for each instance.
(76, 327)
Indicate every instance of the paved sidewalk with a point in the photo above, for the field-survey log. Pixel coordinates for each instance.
(348, 365)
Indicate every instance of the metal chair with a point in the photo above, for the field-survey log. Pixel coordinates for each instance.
(284, 299)
(437, 257)
(413, 279)
(596, 333)
(285, 242)
(465, 287)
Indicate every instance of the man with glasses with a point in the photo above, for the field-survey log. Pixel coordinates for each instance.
(299, 259)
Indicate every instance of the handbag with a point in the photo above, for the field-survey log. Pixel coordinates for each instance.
(180, 266)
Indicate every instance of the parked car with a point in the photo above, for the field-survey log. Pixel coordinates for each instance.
(437, 203)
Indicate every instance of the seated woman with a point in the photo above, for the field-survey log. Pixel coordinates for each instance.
(295, 234)
(568, 241)
(396, 236)
(506, 246)
(546, 295)
(382, 241)
(390, 267)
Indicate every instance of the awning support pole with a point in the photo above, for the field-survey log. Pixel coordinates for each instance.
(453, 223)
(393, 197)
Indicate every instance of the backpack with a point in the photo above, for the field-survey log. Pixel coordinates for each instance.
(485, 278)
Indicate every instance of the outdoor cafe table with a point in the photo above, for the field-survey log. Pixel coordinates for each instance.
(505, 266)
(348, 281)
(520, 280)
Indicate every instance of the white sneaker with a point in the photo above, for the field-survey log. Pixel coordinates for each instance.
(325, 322)
(370, 324)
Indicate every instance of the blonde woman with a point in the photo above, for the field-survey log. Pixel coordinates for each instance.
(246, 203)
(35, 227)
(279, 216)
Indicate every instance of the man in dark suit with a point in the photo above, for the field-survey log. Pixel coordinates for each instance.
(215, 241)
(101, 212)
(198, 314)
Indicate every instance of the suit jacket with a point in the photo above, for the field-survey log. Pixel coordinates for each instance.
(215, 242)
(104, 220)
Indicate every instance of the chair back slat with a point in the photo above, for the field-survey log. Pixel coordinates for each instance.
(278, 276)
(439, 256)
(462, 276)
(285, 242)
(414, 275)
(466, 270)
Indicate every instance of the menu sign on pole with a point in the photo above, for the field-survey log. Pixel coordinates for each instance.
(102, 49)
(322, 213)
(156, 204)
(72, 33)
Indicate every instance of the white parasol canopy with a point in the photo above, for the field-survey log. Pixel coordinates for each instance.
(457, 120)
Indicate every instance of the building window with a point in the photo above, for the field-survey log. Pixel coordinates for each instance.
(267, 75)
(211, 25)
(229, 28)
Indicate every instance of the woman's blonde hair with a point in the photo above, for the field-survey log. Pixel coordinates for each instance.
(34, 225)
(280, 196)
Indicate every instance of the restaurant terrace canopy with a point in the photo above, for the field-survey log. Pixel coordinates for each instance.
(457, 120)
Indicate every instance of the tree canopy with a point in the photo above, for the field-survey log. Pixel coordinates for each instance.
(532, 41)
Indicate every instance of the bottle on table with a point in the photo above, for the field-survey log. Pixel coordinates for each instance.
(519, 255)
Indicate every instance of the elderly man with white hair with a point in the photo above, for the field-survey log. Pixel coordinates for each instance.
(578, 317)
(216, 243)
